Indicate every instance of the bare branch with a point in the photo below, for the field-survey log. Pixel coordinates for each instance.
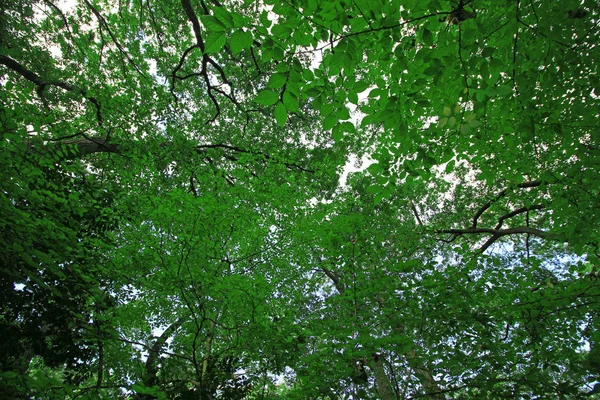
(189, 12)
(154, 351)
(416, 212)
(206, 60)
(339, 286)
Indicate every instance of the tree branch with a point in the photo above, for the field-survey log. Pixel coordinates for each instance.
(517, 212)
(416, 212)
(154, 351)
(85, 146)
(339, 286)
(191, 15)
(103, 22)
(206, 60)
(31, 76)
(497, 233)
(501, 194)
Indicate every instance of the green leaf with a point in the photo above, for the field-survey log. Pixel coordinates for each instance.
(330, 121)
(343, 114)
(375, 188)
(267, 97)
(353, 97)
(239, 20)
(212, 24)
(277, 80)
(360, 86)
(337, 133)
(290, 102)
(280, 114)
(214, 43)
(240, 40)
(223, 16)
(427, 37)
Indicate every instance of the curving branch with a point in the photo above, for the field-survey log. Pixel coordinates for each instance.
(517, 212)
(65, 22)
(155, 351)
(206, 61)
(497, 232)
(84, 146)
(191, 15)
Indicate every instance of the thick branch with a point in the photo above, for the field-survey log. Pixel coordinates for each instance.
(339, 286)
(425, 376)
(501, 232)
(86, 146)
(416, 212)
(189, 12)
(384, 385)
(206, 59)
(31, 76)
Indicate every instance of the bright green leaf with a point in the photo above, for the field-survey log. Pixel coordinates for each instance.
(214, 43)
(280, 114)
(267, 97)
(277, 81)
(330, 121)
(290, 102)
(240, 40)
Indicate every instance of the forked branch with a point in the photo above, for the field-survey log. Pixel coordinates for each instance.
(206, 61)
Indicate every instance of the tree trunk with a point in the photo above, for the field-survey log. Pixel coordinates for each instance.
(382, 380)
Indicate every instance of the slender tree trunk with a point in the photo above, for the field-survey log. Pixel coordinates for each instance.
(425, 377)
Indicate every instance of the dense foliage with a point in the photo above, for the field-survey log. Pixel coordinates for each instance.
(178, 221)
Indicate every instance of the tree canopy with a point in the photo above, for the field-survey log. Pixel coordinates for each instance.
(299, 199)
